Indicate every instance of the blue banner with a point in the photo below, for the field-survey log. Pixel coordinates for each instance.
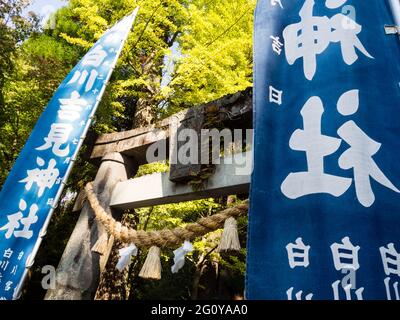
(325, 198)
(36, 180)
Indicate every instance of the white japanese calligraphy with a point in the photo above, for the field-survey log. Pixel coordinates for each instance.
(71, 108)
(276, 44)
(275, 2)
(15, 221)
(44, 178)
(95, 57)
(8, 253)
(391, 266)
(4, 264)
(388, 289)
(82, 77)
(298, 254)
(390, 259)
(312, 36)
(20, 255)
(345, 255)
(358, 157)
(299, 295)
(275, 96)
(347, 289)
(58, 135)
(345, 259)
(14, 270)
(316, 146)
(8, 286)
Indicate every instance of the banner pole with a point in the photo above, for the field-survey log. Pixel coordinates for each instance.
(395, 6)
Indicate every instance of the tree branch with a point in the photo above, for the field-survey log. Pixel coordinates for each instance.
(147, 24)
(229, 28)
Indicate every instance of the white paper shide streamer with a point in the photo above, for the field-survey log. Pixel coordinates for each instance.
(125, 255)
(179, 256)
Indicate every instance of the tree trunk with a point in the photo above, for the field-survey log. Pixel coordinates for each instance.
(196, 281)
(113, 283)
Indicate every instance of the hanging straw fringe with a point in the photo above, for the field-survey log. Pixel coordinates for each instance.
(230, 237)
(152, 266)
(101, 244)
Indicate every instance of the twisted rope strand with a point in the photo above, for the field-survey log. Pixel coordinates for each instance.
(163, 238)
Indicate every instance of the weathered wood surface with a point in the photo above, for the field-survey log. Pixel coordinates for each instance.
(79, 201)
(179, 172)
(157, 189)
(235, 110)
(78, 272)
(135, 142)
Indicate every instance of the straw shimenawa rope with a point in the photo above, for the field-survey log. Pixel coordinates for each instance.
(163, 238)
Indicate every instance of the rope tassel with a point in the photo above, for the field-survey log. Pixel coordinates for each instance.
(101, 244)
(152, 266)
(230, 237)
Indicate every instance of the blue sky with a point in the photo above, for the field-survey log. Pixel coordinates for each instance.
(45, 7)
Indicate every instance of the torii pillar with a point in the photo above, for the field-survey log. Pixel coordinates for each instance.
(78, 272)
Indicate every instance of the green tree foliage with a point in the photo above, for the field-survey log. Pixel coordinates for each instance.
(216, 48)
(133, 94)
(40, 66)
(214, 39)
(14, 28)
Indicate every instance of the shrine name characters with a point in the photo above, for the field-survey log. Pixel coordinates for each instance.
(36, 180)
(307, 39)
(59, 140)
(7, 265)
(345, 259)
(62, 139)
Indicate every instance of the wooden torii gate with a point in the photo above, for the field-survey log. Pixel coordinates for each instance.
(119, 155)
